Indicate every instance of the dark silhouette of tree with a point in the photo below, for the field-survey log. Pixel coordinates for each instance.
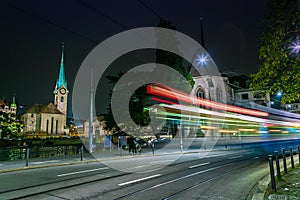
(139, 99)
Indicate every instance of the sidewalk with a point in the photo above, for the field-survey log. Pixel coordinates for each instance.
(222, 144)
(6, 166)
(104, 154)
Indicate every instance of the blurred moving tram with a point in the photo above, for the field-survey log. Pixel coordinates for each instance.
(204, 116)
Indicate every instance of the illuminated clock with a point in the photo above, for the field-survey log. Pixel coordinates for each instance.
(62, 91)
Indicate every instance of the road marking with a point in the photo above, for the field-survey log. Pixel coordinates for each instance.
(84, 171)
(188, 176)
(138, 180)
(162, 161)
(43, 162)
(140, 166)
(199, 165)
(235, 157)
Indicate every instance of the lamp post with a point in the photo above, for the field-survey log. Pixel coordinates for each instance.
(275, 100)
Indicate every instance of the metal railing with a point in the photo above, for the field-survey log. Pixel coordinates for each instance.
(19, 153)
(284, 160)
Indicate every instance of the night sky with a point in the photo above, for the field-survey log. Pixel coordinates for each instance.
(32, 33)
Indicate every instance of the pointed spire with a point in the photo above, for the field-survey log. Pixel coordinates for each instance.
(202, 34)
(61, 78)
(14, 99)
(62, 54)
(13, 103)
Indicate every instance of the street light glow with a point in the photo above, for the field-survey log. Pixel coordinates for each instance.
(296, 47)
(279, 94)
(201, 60)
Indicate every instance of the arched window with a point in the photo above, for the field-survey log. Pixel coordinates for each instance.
(218, 95)
(200, 93)
(52, 119)
(62, 99)
(56, 127)
(47, 125)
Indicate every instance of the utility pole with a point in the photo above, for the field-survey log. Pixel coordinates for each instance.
(91, 114)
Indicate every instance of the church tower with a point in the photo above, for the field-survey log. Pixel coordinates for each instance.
(61, 90)
(13, 106)
(202, 42)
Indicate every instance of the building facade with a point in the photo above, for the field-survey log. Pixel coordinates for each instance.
(50, 119)
(8, 108)
(45, 119)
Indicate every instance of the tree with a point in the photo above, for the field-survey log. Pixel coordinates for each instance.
(10, 126)
(136, 104)
(139, 99)
(279, 55)
(171, 59)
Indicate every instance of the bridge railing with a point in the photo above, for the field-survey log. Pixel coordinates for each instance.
(20, 153)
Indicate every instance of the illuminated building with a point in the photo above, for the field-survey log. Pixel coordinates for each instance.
(5, 107)
(209, 82)
(50, 119)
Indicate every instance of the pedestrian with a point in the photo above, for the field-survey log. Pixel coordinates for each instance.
(138, 144)
(150, 143)
(131, 145)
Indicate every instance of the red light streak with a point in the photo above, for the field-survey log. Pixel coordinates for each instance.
(163, 101)
(161, 90)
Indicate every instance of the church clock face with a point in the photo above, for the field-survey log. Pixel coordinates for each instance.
(62, 91)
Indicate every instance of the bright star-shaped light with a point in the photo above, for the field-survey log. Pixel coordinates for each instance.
(296, 47)
(202, 60)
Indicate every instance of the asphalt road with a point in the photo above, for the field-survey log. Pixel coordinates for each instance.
(207, 175)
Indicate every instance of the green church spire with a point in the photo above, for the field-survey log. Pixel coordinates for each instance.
(13, 104)
(61, 81)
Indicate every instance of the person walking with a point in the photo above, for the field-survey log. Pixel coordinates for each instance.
(138, 144)
(131, 145)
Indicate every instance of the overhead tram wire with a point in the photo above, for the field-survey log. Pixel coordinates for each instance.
(99, 12)
(47, 21)
(102, 14)
(150, 9)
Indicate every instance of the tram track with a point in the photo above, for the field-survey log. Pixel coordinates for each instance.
(122, 183)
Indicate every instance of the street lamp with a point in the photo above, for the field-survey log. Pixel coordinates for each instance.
(275, 100)
(279, 94)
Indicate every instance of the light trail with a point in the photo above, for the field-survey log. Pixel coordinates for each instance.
(174, 94)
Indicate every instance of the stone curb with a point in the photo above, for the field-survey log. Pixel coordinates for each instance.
(262, 187)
